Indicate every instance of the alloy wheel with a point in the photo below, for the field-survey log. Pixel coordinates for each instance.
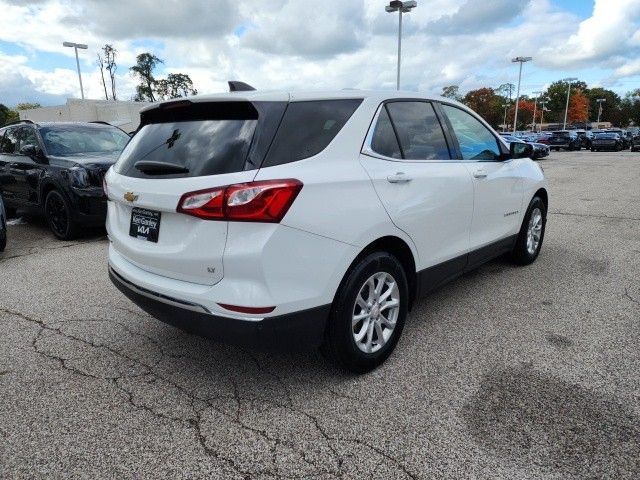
(534, 231)
(375, 312)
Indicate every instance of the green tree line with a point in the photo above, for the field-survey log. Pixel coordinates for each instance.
(493, 103)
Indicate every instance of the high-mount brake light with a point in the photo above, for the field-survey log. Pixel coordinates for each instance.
(261, 201)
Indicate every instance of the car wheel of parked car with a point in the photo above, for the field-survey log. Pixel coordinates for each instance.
(531, 233)
(58, 213)
(3, 235)
(368, 313)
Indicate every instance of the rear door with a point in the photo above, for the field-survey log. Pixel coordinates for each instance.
(215, 144)
(427, 194)
(25, 171)
(498, 186)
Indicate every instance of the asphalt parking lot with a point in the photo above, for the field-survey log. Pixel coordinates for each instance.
(505, 373)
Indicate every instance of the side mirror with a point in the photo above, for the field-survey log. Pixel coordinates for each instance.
(33, 152)
(520, 150)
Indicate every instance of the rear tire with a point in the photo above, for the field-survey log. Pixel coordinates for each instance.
(529, 242)
(3, 235)
(368, 313)
(59, 216)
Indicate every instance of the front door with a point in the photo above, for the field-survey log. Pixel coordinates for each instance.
(426, 194)
(498, 188)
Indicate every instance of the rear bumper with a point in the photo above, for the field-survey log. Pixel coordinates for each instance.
(303, 329)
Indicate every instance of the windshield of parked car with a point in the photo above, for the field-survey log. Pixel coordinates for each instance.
(607, 135)
(62, 140)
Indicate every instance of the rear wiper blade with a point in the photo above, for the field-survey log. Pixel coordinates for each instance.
(152, 167)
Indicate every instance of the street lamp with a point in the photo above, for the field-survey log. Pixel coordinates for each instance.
(519, 60)
(600, 100)
(542, 106)
(504, 121)
(400, 7)
(566, 108)
(535, 105)
(76, 46)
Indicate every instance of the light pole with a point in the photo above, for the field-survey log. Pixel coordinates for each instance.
(535, 106)
(519, 60)
(400, 7)
(542, 106)
(600, 100)
(566, 108)
(504, 121)
(76, 46)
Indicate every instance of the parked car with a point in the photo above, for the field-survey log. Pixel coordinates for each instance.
(3, 226)
(57, 169)
(543, 138)
(585, 138)
(635, 142)
(567, 139)
(539, 149)
(607, 141)
(313, 218)
(626, 142)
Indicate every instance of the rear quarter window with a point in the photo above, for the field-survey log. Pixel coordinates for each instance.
(307, 128)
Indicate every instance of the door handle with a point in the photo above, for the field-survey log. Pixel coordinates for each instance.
(480, 173)
(399, 177)
(14, 165)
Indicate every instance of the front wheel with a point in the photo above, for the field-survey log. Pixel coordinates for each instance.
(59, 216)
(529, 241)
(368, 313)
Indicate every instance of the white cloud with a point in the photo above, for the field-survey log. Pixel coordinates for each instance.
(321, 43)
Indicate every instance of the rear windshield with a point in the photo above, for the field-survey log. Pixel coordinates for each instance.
(228, 137)
(71, 140)
(204, 138)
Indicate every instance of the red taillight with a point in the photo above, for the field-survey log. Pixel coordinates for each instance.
(263, 201)
(254, 310)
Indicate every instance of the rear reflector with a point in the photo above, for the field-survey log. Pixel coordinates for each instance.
(255, 310)
(263, 201)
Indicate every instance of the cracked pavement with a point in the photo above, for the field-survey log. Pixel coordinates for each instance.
(505, 373)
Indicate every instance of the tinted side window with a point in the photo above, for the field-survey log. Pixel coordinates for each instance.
(28, 137)
(384, 140)
(419, 131)
(10, 144)
(307, 128)
(475, 140)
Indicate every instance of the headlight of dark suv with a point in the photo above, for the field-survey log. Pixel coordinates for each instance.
(79, 177)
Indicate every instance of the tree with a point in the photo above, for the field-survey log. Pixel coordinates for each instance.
(610, 107)
(486, 103)
(27, 106)
(525, 113)
(557, 96)
(143, 69)
(176, 85)
(451, 91)
(100, 63)
(578, 108)
(111, 66)
(7, 115)
(506, 90)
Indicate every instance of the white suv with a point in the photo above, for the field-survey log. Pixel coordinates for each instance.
(313, 218)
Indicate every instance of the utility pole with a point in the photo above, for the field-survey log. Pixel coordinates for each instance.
(77, 46)
(535, 105)
(400, 7)
(519, 60)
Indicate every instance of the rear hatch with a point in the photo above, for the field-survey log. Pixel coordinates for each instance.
(560, 138)
(184, 147)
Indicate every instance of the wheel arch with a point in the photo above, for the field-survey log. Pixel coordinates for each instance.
(542, 193)
(399, 249)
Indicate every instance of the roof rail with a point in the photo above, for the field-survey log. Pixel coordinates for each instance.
(18, 121)
(237, 86)
(101, 122)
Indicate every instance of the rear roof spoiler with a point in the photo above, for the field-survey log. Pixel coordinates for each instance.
(237, 86)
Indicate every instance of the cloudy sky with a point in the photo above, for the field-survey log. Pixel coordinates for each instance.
(318, 44)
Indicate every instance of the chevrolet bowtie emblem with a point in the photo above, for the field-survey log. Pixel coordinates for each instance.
(130, 197)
